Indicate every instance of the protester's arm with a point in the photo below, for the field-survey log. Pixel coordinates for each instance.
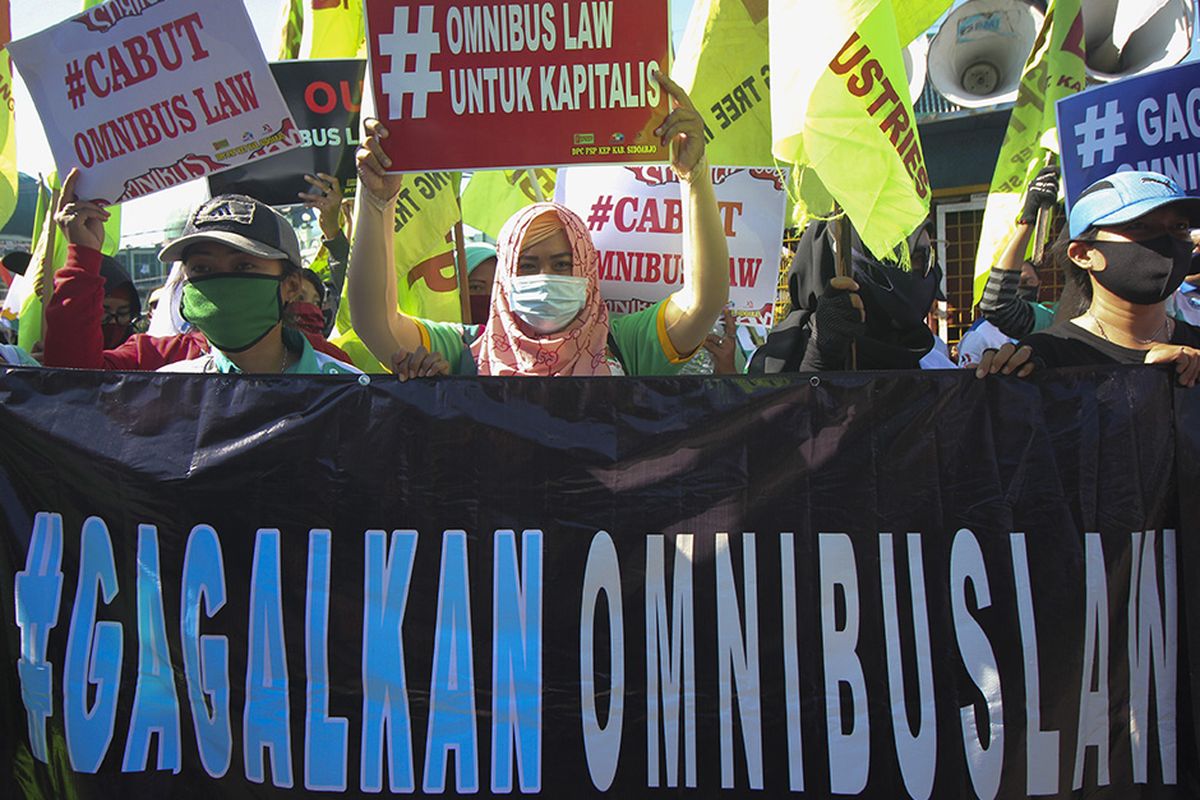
(72, 335)
(691, 311)
(326, 199)
(1001, 305)
(839, 321)
(372, 290)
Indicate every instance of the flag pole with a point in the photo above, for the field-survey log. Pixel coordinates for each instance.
(841, 267)
(460, 267)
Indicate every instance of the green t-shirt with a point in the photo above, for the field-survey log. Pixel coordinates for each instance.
(641, 338)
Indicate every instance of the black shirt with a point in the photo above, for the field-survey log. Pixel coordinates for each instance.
(1068, 345)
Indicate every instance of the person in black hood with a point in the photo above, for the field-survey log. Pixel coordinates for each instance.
(122, 306)
(881, 308)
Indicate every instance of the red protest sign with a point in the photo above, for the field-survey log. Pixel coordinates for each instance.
(478, 85)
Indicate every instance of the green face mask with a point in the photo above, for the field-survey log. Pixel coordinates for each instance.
(234, 311)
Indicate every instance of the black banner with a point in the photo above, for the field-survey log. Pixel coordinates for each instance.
(323, 96)
(874, 584)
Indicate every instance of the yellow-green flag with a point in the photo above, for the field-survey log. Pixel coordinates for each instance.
(1054, 70)
(492, 196)
(849, 116)
(426, 212)
(8, 133)
(291, 30)
(333, 29)
(724, 64)
(50, 254)
(426, 282)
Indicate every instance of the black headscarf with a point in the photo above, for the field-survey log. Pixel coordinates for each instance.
(896, 302)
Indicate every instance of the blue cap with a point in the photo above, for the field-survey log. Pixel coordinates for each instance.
(477, 253)
(1125, 196)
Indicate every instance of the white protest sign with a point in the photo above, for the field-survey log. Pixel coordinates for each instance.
(636, 219)
(143, 95)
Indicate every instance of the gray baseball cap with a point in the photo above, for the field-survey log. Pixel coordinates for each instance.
(240, 222)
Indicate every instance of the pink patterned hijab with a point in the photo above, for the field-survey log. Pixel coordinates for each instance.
(507, 346)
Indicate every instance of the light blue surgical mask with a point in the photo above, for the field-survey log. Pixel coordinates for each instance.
(547, 303)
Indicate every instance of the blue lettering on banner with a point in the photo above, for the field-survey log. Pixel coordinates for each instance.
(38, 590)
(155, 703)
(452, 686)
(517, 661)
(385, 694)
(206, 658)
(324, 737)
(267, 723)
(94, 653)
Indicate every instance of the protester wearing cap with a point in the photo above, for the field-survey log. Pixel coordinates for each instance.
(481, 274)
(1128, 247)
(240, 258)
(74, 317)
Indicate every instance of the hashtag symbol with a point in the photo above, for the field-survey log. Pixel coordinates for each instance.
(601, 213)
(417, 80)
(76, 91)
(1100, 134)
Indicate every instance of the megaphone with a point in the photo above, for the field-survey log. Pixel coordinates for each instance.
(977, 56)
(916, 62)
(1125, 37)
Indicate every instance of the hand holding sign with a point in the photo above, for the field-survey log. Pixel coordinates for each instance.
(82, 221)
(685, 128)
(373, 164)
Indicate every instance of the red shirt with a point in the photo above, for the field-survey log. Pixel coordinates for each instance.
(73, 338)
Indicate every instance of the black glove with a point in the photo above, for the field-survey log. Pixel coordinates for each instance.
(838, 323)
(1041, 193)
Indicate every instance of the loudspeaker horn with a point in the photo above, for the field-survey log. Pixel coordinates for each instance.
(916, 64)
(1125, 37)
(977, 56)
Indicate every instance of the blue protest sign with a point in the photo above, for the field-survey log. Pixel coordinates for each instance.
(1148, 122)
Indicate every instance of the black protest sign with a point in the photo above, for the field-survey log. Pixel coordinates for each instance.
(882, 585)
(323, 96)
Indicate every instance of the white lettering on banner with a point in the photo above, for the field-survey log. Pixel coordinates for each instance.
(1173, 120)
(1100, 134)
(917, 752)
(90, 681)
(791, 661)
(1152, 643)
(572, 87)
(985, 759)
(1041, 747)
(420, 81)
(602, 744)
(737, 659)
(849, 728)
(671, 653)
(1093, 704)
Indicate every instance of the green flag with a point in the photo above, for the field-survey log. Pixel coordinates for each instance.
(849, 116)
(492, 196)
(1055, 70)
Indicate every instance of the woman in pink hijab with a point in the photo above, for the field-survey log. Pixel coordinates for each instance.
(546, 316)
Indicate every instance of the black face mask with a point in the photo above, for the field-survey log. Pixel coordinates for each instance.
(1145, 272)
(1028, 293)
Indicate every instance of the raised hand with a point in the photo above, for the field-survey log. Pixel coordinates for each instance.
(373, 163)
(685, 128)
(326, 198)
(82, 221)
